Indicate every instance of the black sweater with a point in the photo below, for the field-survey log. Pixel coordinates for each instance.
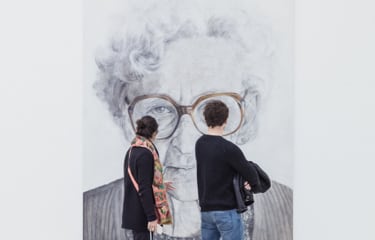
(218, 160)
(138, 207)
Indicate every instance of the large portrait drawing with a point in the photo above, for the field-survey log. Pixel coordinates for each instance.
(167, 58)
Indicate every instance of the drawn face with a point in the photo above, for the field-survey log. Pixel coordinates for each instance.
(191, 68)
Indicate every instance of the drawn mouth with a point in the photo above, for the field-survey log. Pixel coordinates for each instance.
(184, 181)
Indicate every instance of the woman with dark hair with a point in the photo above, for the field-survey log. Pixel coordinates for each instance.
(145, 201)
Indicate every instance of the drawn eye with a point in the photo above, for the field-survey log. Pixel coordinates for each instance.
(161, 110)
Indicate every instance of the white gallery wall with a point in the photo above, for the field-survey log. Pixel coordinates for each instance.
(41, 123)
(335, 116)
(40, 130)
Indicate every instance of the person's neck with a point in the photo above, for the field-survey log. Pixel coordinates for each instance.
(215, 131)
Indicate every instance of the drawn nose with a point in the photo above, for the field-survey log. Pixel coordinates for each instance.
(185, 136)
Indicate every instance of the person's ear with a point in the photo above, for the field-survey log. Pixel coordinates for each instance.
(153, 137)
(123, 121)
(224, 124)
(250, 104)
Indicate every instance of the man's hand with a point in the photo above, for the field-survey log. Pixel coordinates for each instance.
(247, 185)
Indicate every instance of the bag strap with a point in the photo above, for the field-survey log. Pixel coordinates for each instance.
(130, 172)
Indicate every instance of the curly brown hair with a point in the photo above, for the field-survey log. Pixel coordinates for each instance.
(215, 113)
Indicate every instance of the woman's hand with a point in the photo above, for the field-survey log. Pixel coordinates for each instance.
(151, 226)
(169, 186)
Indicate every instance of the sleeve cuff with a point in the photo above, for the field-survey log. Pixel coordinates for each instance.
(151, 218)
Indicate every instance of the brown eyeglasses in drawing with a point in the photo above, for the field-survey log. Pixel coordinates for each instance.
(168, 113)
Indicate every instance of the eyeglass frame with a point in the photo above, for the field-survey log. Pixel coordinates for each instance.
(186, 109)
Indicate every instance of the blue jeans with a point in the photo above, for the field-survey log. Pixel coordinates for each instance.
(225, 224)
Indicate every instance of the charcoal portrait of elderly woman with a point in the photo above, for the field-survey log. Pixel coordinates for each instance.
(168, 64)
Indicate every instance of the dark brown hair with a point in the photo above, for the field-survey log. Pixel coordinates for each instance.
(215, 113)
(146, 126)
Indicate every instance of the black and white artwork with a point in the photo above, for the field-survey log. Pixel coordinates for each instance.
(158, 57)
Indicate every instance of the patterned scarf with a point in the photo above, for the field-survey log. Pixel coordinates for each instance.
(163, 212)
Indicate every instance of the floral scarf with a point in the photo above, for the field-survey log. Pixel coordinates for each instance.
(163, 212)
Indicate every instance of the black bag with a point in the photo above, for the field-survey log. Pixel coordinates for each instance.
(244, 197)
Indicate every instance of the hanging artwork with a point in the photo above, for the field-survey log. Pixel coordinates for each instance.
(158, 57)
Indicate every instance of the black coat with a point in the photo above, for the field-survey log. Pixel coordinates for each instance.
(138, 207)
(245, 197)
